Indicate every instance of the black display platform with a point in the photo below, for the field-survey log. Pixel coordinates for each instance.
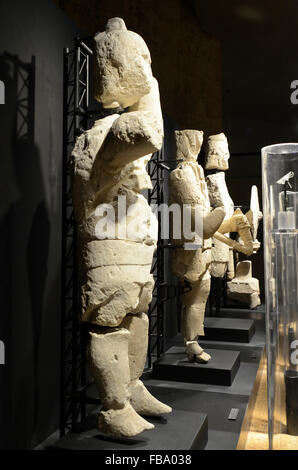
(179, 430)
(220, 370)
(229, 329)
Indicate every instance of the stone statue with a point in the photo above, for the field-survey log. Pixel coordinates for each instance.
(244, 288)
(218, 160)
(222, 251)
(116, 230)
(188, 187)
(254, 216)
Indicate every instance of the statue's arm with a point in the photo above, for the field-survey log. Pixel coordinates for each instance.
(136, 133)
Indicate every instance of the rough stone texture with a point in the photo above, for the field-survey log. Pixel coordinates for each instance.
(116, 230)
(109, 293)
(219, 197)
(244, 288)
(117, 358)
(186, 60)
(144, 403)
(108, 164)
(108, 355)
(188, 186)
(217, 153)
(222, 256)
(123, 422)
(239, 224)
(137, 325)
(254, 216)
(219, 194)
(117, 45)
(141, 400)
(194, 303)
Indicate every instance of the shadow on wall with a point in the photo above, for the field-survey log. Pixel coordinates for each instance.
(24, 246)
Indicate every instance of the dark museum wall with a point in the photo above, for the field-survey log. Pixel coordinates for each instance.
(259, 44)
(221, 66)
(32, 36)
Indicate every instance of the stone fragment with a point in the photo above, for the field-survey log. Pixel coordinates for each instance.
(116, 229)
(141, 400)
(217, 153)
(254, 216)
(244, 288)
(220, 197)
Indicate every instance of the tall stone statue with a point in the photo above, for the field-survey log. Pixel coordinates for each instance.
(188, 187)
(218, 161)
(244, 288)
(116, 230)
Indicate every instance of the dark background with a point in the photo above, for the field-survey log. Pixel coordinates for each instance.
(222, 66)
(32, 37)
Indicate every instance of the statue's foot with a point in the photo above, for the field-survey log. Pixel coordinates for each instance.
(195, 353)
(144, 403)
(124, 422)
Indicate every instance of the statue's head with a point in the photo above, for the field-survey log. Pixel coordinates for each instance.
(217, 153)
(122, 66)
(188, 144)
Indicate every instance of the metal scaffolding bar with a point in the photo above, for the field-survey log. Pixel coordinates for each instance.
(73, 371)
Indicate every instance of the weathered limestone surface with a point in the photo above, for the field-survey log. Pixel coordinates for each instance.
(188, 186)
(217, 159)
(109, 165)
(116, 229)
(186, 62)
(220, 197)
(217, 152)
(244, 288)
(254, 216)
(239, 224)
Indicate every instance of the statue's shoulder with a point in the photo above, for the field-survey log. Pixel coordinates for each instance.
(89, 143)
(182, 172)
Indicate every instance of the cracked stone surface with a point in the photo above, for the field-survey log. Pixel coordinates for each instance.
(116, 229)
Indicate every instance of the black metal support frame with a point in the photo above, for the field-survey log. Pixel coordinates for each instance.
(156, 309)
(75, 120)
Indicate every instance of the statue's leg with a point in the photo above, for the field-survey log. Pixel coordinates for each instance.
(194, 304)
(141, 400)
(109, 363)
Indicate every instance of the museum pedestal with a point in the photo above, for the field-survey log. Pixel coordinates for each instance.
(189, 401)
(179, 430)
(229, 329)
(220, 370)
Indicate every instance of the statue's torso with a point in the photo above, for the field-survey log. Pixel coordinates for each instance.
(97, 184)
(188, 186)
(114, 264)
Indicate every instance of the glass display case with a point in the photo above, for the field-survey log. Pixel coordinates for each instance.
(279, 175)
